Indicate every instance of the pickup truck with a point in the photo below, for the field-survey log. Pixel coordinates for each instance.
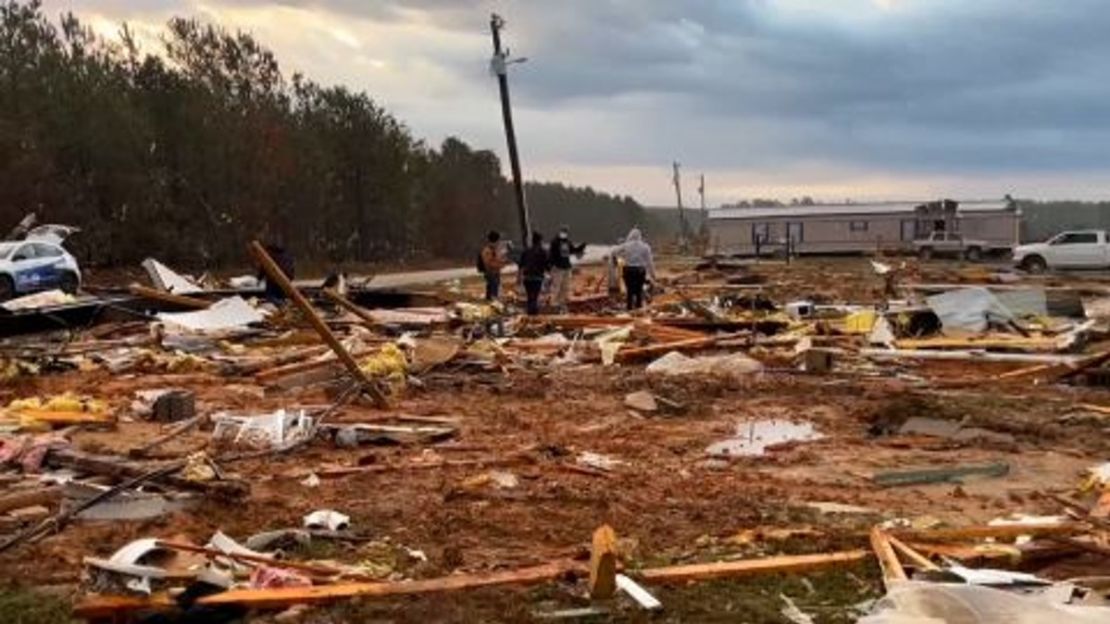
(1078, 249)
(950, 244)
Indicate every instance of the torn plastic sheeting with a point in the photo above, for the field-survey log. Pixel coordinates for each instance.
(735, 365)
(327, 519)
(986, 576)
(126, 505)
(610, 342)
(1023, 301)
(274, 430)
(912, 602)
(225, 314)
(165, 278)
(968, 309)
(38, 300)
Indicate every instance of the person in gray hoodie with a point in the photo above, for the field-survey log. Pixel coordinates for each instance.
(639, 265)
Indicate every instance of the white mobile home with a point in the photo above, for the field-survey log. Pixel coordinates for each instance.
(846, 228)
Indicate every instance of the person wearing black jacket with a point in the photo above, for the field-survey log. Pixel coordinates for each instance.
(561, 250)
(534, 263)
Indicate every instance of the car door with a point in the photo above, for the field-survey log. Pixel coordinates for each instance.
(24, 269)
(51, 260)
(1076, 249)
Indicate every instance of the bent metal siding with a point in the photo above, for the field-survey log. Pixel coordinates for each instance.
(839, 233)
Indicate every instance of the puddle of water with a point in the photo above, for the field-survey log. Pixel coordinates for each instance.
(754, 436)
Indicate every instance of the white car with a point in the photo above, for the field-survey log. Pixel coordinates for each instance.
(38, 263)
(1079, 249)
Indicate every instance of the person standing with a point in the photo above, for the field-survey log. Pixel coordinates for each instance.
(561, 250)
(639, 265)
(534, 263)
(492, 261)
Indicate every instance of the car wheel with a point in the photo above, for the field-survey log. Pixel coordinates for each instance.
(68, 283)
(7, 288)
(973, 254)
(1034, 264)
(925, 253)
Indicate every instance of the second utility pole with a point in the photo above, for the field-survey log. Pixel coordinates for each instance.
(500, 65)
(682, 237)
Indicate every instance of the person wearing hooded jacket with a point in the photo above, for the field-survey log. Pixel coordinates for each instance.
(561, 250)
(639, 265)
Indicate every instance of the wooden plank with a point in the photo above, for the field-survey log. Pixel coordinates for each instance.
(262, 560)
(917, 558)
(603, 563)
(643, 353)
(1024, 344)
(888, 561)
(181, 301)
(113, 606)
(987, 531)
(751, 567)
(30, 498)
(349, 306)
(281, 597)
(274, 272)
(1025, 371)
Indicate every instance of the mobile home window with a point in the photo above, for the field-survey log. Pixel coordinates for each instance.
(858, 226)
(761, 232)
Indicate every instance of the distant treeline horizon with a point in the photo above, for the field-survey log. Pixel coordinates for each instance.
(189, 153)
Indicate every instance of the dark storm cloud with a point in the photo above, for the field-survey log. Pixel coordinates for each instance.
(920, 85)
(988, 85)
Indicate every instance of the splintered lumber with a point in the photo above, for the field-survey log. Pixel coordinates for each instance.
(349, 306)
(181, 301)
(30, 498)
(569, 321)
(925, 354)
(317, 570)
(888, 560)
(274, 272)
(277, 598)
(908, 552)
(1092, 361)
(1006, 531)
(1091, 407)
(603, 563)
(1025, 371)
(1024, 344)
(651, 351)
(751, 567)
(176, 430)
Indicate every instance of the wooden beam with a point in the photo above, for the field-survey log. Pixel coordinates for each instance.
(262, 560)
(987, 531)
(277, 598)
(274, 272)
(29, 498)
(181, 301)
(643, 353)
(603, 563)
(888, 560)
(751, 567)
(917, 558)
(349, 306)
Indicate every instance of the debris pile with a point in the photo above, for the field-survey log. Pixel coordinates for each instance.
(932, 450)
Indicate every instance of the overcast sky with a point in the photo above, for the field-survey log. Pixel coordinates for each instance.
(862, 99)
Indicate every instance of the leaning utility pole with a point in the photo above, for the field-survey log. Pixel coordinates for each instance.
(681, 211)
(500, 66)
(701, 192)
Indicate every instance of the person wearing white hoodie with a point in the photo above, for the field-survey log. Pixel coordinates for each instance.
(639, 265)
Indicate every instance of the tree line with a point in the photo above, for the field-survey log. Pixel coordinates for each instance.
(187, 154)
